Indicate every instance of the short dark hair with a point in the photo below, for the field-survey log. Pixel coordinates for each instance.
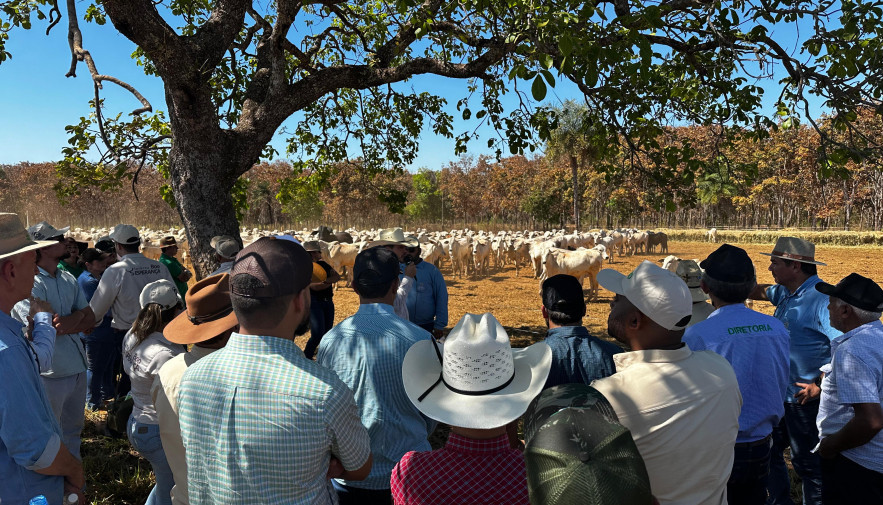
(252, 310)
(130, 248)
(729, 292)
(807, 268)
(562, 296)
(374, 272)
(562, 319)
(369, 290)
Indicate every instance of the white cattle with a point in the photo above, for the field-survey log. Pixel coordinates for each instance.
(432, 252)
(537, 251)
(581, 263)
(712, 235)
(460, 252)
(608, 243)
(671, 263)
(343, 255)
(481, 251)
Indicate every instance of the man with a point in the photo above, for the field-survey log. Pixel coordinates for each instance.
(99, 343)
(756, 345)
(366, 351)
(180, 275)
(321, 299)
(478, 398)
(120, 287)
(395, 240)
(682, 407)
(33, 458)
(427, 302)
(691, 274)
(206, 325)
(64, 371)
(850, 414)
(577, 357)
(804, 311)
(226, 248)
(261, 423)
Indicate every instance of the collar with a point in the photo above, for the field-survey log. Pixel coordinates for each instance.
(200, 352)
(878, 325)
(733, 307)
(375, 308)
(44, 273)
(473, 447)
(624, 360)
(568, 331)
(807, 284)
(263, 344)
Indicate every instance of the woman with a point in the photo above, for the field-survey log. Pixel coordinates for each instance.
(145, 350)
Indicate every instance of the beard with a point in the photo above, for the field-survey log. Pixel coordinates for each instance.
(615, 329)
(64, 256)
(304, 326)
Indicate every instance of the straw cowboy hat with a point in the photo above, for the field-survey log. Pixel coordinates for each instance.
(394, 236)
(475, 379)
(14, 239)
(209, 312)
(795, 249)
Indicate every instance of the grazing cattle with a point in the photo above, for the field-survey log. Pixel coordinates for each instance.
(618, 242)
(432, 252)
(460, 252)
(481, 252)
(657, 239)
(580, 263)
(712, 235)
(637, 241)
(607, 242)
(519, 253)
(343, 255)
(537, 251)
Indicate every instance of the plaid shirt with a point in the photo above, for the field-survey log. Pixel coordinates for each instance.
(261, 422)
(466, 471)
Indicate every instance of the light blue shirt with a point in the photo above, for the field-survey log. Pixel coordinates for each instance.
(428, 301)
(29, 434)
(855, 376)
(805, 315)
(64, 294)
(366, 351)
(756, 345)
(261, 422)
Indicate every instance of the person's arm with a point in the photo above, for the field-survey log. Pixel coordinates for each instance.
(81, 319)
(333, 276)
(868, 421)
(441, 304)
(43, 337)
(350, 444)
(759, 292)
(106, 293)
(69, 467)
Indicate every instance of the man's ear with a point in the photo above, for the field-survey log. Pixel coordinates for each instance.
(544, 311)
(703, 287)
(634, 320)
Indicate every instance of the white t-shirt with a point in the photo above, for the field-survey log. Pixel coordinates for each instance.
(142, 363)
(121, 285)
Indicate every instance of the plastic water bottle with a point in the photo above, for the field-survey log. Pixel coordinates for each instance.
(38, 500)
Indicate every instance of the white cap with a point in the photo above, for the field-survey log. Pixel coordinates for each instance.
(659, 294)
(161, 292)
(125, 234)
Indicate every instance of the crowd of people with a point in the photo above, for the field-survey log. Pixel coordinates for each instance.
(696, 406)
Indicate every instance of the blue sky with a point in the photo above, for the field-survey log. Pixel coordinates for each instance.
(37, 100)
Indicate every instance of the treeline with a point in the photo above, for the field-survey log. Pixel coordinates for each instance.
(774, 182)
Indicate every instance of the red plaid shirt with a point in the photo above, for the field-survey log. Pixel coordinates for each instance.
(465, 471)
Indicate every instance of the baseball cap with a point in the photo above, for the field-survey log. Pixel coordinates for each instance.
(659, 294)
(577, 451)
(45, 231)
(856, 290)
(563, 293)
(219, 238)
(729, 264)
(161, 292)
(282, 267)
(125, 234)
(91, 254)
(105, 244)
(227, 248)
(374, 266)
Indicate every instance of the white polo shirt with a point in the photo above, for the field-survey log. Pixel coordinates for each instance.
(121, 285)
(682, 408)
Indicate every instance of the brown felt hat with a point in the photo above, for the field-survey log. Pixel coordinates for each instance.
(209, 312)
(168, 241)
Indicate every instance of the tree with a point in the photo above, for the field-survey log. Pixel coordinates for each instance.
(234, 70)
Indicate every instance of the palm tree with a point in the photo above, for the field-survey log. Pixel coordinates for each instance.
(571, 139)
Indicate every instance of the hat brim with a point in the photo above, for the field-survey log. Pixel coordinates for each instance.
(406, 243)
(795, 259)
(421, 369)
(612, 280)
(698, 295)
(33, 245)
(182, 331)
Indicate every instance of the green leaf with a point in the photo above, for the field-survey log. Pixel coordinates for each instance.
(538, 89)
(546, 61)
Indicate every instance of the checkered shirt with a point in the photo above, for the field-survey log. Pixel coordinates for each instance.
(464, 472)
(261, 422)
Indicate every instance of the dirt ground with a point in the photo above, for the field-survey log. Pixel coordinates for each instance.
(515, 301)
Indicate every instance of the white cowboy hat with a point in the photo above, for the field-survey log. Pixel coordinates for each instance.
(14, 239)
(394, 236)
(475, 379)
(795, 249)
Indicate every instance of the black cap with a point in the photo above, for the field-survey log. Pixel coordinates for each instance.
(857, 291)
(105, 244)
(282, 267)
(563, 293)
(729, 264)
(91, 254)
(374, 266)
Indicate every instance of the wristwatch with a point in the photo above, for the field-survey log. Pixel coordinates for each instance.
(818, 381)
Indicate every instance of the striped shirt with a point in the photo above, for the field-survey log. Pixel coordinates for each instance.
(366, 351)
(261, 423)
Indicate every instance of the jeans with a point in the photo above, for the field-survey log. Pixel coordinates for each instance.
(846, 483)
(348, 495)
(100, 354)
(145, 439)
(67, 395)
(797, 429)
(124, 385)
(751, 469)
(321, 320)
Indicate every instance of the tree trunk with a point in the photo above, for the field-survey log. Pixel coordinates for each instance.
(575, 176)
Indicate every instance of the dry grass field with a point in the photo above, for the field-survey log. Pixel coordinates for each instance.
(116, 475)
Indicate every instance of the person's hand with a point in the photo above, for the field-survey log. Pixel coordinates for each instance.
(809, 392)
(438, 333)
(69, 489)
(65, 325)
(335, 468)
(38, 305)
(411, 270)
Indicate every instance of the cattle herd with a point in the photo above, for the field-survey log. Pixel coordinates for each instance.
(469, 253)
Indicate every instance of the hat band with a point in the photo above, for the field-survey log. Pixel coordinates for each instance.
(793, 256)
(441, 379)
(212, 317)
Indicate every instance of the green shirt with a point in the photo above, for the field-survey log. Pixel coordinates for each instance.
(175, 268)
(75, 270)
